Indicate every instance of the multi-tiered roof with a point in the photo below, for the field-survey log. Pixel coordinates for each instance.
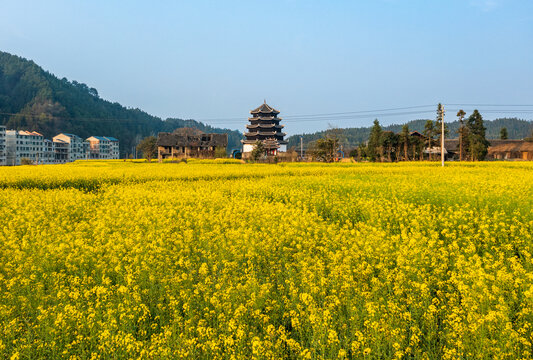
(265, 127)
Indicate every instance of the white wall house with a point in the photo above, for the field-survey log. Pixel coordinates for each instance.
(114, 147)
(61, 151)
(24, 145)
(103, 147)
(3, 151)
(16, 145)
(49, 152)
(77, 148)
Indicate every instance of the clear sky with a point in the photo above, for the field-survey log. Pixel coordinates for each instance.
(219, 59)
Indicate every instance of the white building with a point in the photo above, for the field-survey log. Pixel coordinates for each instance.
(3, 155)
(61, 151)
(103, 147)
(23, 145)
(77, 148)
(114, 147)
(16, 146)
(49, 152)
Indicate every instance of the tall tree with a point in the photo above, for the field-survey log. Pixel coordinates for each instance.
(326, 149)
(418, 147)
(462, 132)
(429, 132)
(375, 146)
(148, 147)
(258, 151)
(477, 141)
(441, 129)
(530, 138)
(390, 144)
(405, 141)
(503, 133)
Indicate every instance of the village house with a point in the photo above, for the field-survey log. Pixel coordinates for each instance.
(103, 147)
(24, 145)
(77, 148)
(510, 150)
(497, 150)
(20, 146)
(189, 143)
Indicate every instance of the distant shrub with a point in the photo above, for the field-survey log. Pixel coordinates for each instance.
(26, 161)
(220, 152)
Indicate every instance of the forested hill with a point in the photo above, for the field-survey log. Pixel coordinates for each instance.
(34, 99)
(517, 129)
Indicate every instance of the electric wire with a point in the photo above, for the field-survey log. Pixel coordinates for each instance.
(324, 117)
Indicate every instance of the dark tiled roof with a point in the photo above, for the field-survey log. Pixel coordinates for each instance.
(510, 146)
(202, 140)
(451, 145)
(495, 145)
(264, 109)
(258, 117)
(188, 131)
(264, 126)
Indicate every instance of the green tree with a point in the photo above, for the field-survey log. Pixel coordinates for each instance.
(530, 138)
(390, 143)
(375, 146)
(417, 144)
(258, 151)
(429, 132)
(220, 152)
(477, 141)
(26, 161)
(326, 149)
(405, 141)
(148, 147)
(361, 152)
(462, 132)
(503, 133)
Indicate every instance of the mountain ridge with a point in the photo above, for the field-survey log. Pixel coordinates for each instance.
(32, 98)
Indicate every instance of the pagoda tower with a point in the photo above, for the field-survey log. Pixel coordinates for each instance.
(264, 126)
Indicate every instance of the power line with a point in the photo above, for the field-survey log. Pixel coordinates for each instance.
(348, 115)
(525, 105)
(360, 112)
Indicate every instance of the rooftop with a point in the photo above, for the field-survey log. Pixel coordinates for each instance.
(511, 146)
(201, 140)
(265, 109)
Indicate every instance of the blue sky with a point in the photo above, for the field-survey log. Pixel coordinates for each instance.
(219, 59)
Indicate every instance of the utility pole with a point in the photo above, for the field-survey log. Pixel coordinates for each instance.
(302, 148)
(441, 115)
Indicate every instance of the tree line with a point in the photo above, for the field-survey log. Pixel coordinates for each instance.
(352, 137)
(406, 145)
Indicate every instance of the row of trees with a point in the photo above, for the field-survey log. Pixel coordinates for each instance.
(388, 146)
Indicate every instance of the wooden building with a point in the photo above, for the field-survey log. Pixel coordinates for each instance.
(188, 142)
(264, 126)
(510, 150)
(498, 149)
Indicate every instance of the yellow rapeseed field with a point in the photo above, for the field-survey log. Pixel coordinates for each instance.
(215, 260)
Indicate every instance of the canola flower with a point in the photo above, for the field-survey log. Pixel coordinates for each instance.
(228, 261)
